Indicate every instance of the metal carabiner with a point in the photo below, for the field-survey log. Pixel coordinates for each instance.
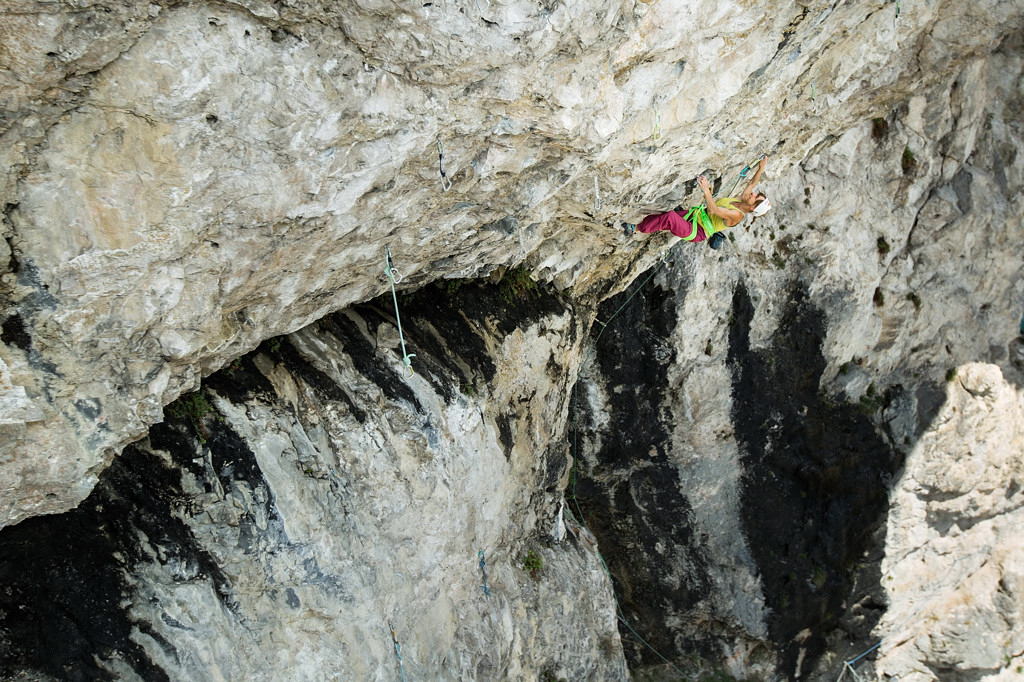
(446, 183)
(389, 267)
(394, 277)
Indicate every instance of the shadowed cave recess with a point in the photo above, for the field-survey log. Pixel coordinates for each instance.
(814, 477)
(72, 582)
(814, 481)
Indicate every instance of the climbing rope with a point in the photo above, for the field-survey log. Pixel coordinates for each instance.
(446, 184)
(604, 325)
(395, 277)
(398, 649)
(644, 641)
(848, 667)
(854, 660)
(483, 571)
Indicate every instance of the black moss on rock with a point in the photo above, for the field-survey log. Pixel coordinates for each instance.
(13, 333)
(65, 604)
(630, 494)
(815, 476)
(281, 350)
(363, 354)
(241, 381)
(464, 313)
(66, 581)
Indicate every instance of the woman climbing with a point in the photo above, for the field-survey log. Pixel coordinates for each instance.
(700, 223)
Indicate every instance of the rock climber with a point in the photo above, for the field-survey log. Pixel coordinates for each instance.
(700, 223)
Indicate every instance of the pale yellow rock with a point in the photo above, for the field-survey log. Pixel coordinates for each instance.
(954, 566)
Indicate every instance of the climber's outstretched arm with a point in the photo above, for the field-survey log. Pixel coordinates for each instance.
(748, 192)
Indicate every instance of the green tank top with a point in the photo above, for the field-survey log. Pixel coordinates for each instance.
(717, 222)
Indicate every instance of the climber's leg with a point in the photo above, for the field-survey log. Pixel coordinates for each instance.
(672, 221)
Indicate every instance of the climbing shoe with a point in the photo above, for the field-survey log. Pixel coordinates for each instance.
(628, 229)
(716, 240)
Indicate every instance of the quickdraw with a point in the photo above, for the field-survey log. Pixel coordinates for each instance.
(446, 184)
(395, 277)
(743, 175)
(483, 571)
(398, 649)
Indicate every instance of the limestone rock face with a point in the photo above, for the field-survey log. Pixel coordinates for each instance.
(185, 181)
(954, 567)
(759, 437)
(772, 402)
(312, 497)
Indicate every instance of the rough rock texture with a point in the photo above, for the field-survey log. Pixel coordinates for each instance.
(954, 568)
(228, 172)
(318, 499)
(759, 433)
(766, 401)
